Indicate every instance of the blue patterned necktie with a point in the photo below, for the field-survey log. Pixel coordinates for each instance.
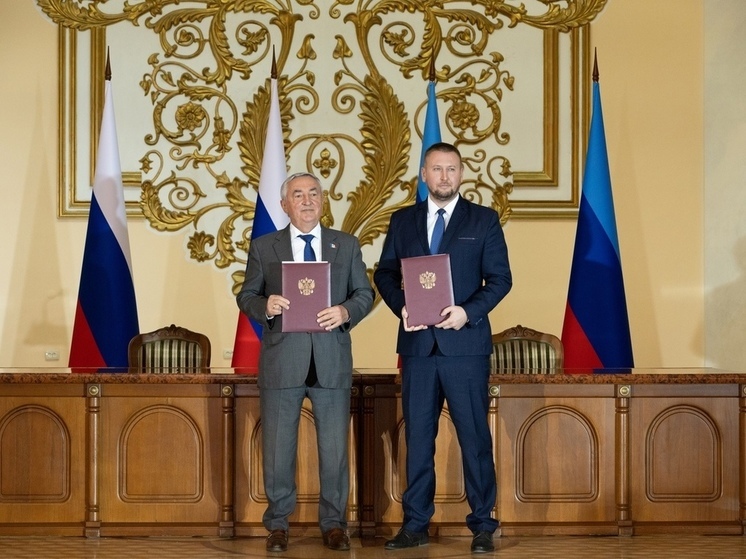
(440, 227)
(308, 254)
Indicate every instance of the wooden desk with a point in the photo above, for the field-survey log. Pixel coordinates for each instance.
(649, 451)
(105, 454)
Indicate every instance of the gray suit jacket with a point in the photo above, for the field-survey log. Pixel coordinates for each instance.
(285, 357)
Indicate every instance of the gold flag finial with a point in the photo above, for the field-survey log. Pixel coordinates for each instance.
(273, 73)
(595, 66)
(107, 72)
(432, 68)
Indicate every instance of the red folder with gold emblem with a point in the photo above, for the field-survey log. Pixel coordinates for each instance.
(307, 285)
(428, 288)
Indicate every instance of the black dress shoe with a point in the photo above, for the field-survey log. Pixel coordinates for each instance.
(405, 539)
(336, 539)
(482, 543)
(277, 540)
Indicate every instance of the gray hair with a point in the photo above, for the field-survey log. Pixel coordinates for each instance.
(291, 178)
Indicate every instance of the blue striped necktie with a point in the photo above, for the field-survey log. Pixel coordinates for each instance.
(308, 254)
(440, 227)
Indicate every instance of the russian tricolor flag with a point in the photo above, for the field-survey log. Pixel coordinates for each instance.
(430, 136)
(596, 332)
(268, 217)
(106, 315)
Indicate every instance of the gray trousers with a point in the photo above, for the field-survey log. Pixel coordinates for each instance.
(280, 416)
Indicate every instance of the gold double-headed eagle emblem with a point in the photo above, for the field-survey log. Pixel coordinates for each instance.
(427, 280)
(306, 286)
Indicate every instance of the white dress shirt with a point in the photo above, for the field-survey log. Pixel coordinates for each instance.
(299, 244)
(432, 214)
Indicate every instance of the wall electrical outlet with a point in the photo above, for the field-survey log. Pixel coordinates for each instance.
(51, 355)
(227, 354)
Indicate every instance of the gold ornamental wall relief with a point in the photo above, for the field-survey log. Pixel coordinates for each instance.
(191, 90)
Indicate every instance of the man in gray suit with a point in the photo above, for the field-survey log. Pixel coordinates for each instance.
(293, 366)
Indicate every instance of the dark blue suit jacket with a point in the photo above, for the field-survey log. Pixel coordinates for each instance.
(479, 266)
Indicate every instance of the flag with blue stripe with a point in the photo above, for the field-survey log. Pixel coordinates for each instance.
(106, 313)
(595, 332)
(268, 217)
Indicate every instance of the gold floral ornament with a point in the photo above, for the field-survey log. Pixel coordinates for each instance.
(325, 163)
(207, 100)
(197, 245)
(465, 115)
(221, 136)
(189, 116)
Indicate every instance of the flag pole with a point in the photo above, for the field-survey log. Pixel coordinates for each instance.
(595, 66)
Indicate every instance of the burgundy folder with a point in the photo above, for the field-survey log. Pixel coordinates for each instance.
(307, 286)
(428, 288)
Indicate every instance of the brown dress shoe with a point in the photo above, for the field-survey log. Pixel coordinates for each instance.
(277, 540)
(336, 539)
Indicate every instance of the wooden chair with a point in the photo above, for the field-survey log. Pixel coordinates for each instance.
(523, 350)
(169, 349)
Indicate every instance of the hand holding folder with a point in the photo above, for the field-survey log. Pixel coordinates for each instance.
(428, 288)
(307, 285)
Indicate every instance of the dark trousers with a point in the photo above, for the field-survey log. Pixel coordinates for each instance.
(463, 382)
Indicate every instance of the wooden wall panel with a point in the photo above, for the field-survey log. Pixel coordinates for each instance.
(161, 455)
(110, 456)
(685, 456)
(556, 462)
(34, 456)
(42, 460)
(163, 433)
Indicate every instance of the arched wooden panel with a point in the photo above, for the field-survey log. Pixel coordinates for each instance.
(683, 456)
(34, 456)
(173, 471)
(556, 457)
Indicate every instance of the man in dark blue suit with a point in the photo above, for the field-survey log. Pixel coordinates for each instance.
(449, 362)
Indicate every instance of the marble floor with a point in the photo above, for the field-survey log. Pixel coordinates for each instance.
(550, 547)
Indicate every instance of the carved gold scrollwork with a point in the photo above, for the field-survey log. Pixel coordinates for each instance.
(201, 159)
